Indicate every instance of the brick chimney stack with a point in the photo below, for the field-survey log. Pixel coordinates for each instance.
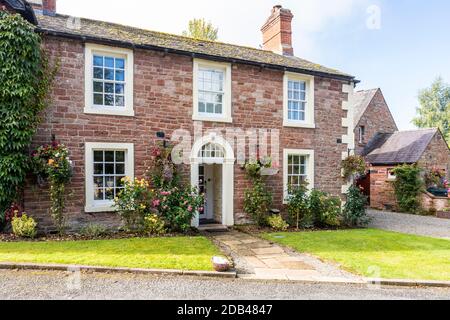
(277, 31)
(48, 7)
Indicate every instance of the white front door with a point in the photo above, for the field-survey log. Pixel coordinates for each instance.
(206, 186)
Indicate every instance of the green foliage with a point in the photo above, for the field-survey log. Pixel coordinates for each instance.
(201, 30)
(353, 165)
(354, 213)
(277, 223)
(24, 226)
(52, 163)
(257, 202)
(133, 203)
(25, 78)
(94, 230)
(434, 110)
(297, 206)
(325, 209)
(178, 206)
(154, 225)
(253, 169)
(408, 186)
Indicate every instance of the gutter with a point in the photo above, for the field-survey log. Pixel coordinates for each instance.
(131, 45)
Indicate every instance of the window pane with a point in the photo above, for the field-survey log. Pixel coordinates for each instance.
(109, 156)
(201, 107)
(109, 168)
(98, 86)
(303, 85)
(109, 62)
(109, 182)
(98, 194)
(210, 108)
(303, 95)
(109, 74)
(98, 156)
(218, 109)
(119, 182)
(120, 63)
(98, 73)
(98, 99)
(120, 88)
(98, 168)
(120, 168)
(98, 182)
(120, 156)
(120, 101)
(120, 75)
(109, 194)
(109, 100)
(98, 61)
(109, 88)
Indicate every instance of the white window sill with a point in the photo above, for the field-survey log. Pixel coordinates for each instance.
(104, 207)
(212, 119)
(295, 124)
(125, 112)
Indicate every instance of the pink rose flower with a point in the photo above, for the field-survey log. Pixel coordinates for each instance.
(156, 203)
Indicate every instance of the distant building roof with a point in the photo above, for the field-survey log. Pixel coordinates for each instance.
(111, 33)
(399, 147)
(361, 100)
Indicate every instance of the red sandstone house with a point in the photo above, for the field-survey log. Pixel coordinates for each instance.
(118, 86)
(377, 139)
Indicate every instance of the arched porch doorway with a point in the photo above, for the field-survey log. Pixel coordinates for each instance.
(212, 171)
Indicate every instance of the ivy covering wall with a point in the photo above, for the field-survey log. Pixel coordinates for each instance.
(24, 83)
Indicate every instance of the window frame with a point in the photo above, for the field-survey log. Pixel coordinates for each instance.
(93, 206)
(128, 55)
(226, 101)
(309, 121)
(310, 168)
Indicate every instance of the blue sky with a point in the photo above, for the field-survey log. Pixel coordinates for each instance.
(407, 52)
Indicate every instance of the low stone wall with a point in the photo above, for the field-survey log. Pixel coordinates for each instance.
(430, 202)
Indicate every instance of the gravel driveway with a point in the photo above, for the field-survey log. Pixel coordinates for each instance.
(412, 224)
(59, 285)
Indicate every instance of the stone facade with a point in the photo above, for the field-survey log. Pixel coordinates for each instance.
(376, 118)
(163, 102)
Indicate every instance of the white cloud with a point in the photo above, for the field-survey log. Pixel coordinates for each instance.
(238, 21)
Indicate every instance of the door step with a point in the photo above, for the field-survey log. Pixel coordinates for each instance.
(213, 228)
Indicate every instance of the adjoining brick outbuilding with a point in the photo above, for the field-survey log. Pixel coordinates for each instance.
(427, 148)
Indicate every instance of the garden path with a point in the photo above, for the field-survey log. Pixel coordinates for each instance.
(256, 258)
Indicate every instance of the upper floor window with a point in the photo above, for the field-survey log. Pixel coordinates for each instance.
(212, 91)
(109, 80)
(298, 100)
(361, 134)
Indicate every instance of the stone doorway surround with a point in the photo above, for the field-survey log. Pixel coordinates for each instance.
(227, 163)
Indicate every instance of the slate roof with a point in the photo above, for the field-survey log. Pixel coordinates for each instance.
(22, 7)
(98, 31)
(361, 100)
(399, 147)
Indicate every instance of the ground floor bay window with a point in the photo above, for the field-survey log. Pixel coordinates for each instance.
(106, 165)
(298, 168)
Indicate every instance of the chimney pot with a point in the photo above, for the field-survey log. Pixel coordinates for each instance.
(277, 31)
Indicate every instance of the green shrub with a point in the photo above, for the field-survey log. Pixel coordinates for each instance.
(257, 202)
(178, 206)
(353, 165)
(94, 231)
(354, 213)
(25, 81)
(154, 225)
(324, 209)
(277, 223)
(408, 186)
(133, 203)
(297, 207)
(24, 226)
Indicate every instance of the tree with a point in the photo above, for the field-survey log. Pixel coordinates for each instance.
(434, 110)
(201, 30)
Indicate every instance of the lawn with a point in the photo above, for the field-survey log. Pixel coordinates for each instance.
(185, 253)
(398, 256)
